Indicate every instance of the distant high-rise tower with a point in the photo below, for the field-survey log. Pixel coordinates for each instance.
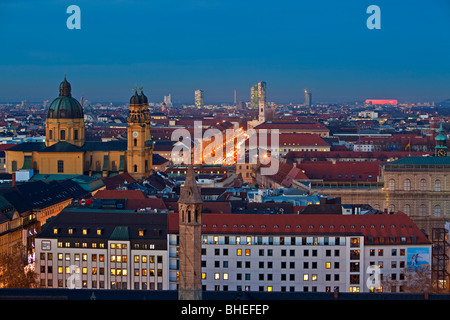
(190, 206)
(258, 94)
(168, 100)
(308, 98)
(199, 96)
(235, 97)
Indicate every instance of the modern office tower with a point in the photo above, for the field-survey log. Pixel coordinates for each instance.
(168, 100)
(199, 96)
(308, 98)
(258, 94)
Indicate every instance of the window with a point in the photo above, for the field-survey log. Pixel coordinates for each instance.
(14, 165)
(63, 135)
(392, 185)
(407, 185)
(50, 134)
(437, 211)
(437, 185)
(422, 210)
(407, 209)
(423, 185)
(60, 166)
(75, 134)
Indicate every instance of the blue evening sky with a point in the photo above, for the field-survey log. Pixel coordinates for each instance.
(177, 46)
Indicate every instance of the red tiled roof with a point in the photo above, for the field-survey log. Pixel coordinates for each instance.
(370, 226)
(294, 125)
(153, 203)
(120, 194)
(341, 170)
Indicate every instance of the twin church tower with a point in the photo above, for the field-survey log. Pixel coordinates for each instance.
(66, 150)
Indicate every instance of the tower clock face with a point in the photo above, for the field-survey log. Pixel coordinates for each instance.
(442, 153)
(135, 134)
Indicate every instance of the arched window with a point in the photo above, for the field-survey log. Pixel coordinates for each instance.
(392, 185)
(437, 185)
(135, 168)
(407, 209)
(423, 185)
(407, 185)
(437, 211)
(422, 210)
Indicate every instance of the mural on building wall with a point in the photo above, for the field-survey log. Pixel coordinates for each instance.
(417, 258)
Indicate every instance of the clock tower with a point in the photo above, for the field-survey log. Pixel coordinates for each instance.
(441, 143)
(140, 144)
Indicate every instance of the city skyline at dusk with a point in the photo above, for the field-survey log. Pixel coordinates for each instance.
(179, 47)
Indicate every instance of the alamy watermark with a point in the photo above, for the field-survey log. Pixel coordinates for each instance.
(236, 147)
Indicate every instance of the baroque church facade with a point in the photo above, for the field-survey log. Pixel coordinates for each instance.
(66, 151)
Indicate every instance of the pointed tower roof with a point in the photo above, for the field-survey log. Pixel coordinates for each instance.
(190, 192)
(441, 136)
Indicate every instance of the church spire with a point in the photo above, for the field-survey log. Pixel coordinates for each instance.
(190, 192)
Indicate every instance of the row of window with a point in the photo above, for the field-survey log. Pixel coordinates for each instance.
(422, 210)
(62, 134)
(269, 240)
(269, 252)
(407, 185)
(101, 257)
(101, 284)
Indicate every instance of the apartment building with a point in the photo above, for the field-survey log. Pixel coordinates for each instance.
(103, 249)
(123, 249)
(303, 253)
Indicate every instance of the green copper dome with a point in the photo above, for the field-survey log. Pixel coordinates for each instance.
(65, 106)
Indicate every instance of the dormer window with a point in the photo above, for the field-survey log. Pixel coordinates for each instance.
(85, 231)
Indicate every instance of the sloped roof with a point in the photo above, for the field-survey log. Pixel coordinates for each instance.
(375, 227)
(120, 194)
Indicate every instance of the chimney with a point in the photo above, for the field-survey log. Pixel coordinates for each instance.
(13, 180)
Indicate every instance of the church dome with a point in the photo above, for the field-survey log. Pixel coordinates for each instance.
(65, 106)
(144, 99)
(136, 99)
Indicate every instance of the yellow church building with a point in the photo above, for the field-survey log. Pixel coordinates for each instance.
(66, 151)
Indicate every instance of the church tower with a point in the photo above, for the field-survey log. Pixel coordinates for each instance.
(190, 206)
(441, 143)
(65, 119)
(140, 144)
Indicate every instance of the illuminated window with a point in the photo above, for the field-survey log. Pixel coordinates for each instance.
(85, 231)
(203, 276)
(225, 276)
(216, 276)
(306, 277)
(239, 252)
(314, 277)
(60, 270)
(269, 289)
(328, 265)
(247, 252)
